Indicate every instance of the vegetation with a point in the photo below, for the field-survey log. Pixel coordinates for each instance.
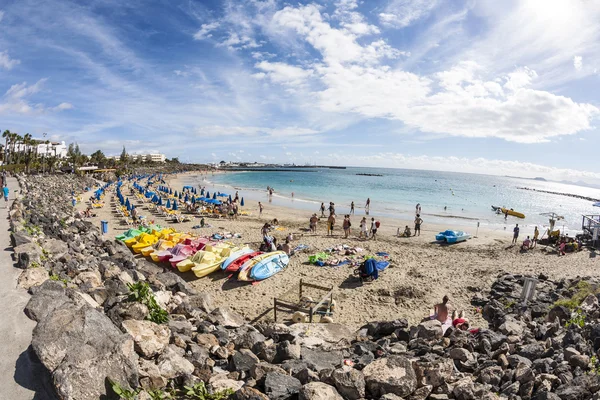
(577, 319)
(582, 290)
(595, 365)
(141, 292)
(196, 392)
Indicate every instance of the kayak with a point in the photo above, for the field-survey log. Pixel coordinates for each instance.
(451, 236)
(269, 266)
(189, 263)
(236, 264)
(246, 268)
(236, 255)
(210, 263)
(512, 212)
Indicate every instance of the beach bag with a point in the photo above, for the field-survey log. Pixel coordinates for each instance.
(368, 269)
(377, 224)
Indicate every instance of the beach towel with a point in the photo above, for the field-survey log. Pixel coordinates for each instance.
(318, 257)
(381, 265)
(300, 247)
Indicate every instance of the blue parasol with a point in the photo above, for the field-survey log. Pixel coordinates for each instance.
(176, 195)
(242, 202)
(207, 195)
(168, 203)
(201, 192)
(193, 200)
(160, 202)
(214, 196)
(230, 199)
(175, 205)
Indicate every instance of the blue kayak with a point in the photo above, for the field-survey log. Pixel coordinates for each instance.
(234, 256)
(451, 236)
(269, 266)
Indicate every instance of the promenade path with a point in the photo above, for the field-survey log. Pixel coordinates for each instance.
(21, 374)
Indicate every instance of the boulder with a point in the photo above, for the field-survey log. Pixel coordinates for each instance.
(150, 377)
(220, 382)
(47, 297)
(248, 393)
(589, 304)
(512, 327)
(319, 391)
(226, 317)
(172, 365)
(562, 313)
(243, 360)
(349, 382)
(249, 339)
(320, 335)
(491, 375)
(55, 247)
(393, 374)
(28, 255)
(281, 387)
(32, 277)
(80, 346)
(319, 359)
(89, 279)
(150, 338)
(287, 351)
(434, 373)
(430, 330)
(19, 238)
(421, 393)
(385, 328)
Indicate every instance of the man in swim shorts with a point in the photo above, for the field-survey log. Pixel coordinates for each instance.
(418, 222)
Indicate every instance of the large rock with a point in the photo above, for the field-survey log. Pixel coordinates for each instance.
(81, 347)
(32, 277)
(349, 382)
(28, 255)
(393, 374)
(248, 393)
(430, 330)
(47, 297)
(150, 338)
(172, 365)
(281, 387)
(220, 382)
(19, 238)
(434, 373)
(318, 360)
(226, 317)
(319, 391)
(55, 247)
(320, 335)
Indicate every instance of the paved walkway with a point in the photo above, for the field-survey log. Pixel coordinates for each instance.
(20, 372)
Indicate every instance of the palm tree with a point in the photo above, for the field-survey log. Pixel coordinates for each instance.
(6, 135)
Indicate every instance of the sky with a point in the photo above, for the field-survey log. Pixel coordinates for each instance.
(508, 87)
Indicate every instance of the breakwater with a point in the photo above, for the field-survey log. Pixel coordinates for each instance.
(575, 196)
(108, 321)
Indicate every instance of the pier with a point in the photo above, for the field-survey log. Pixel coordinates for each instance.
(590, 225)
(575, 196)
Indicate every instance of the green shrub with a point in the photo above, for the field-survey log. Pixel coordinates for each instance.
(577, 319)
(141, 292)
(582, 290)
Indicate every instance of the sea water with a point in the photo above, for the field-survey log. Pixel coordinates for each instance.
(447, 198)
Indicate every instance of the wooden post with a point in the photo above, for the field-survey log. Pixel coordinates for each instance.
(300, 296)
(310, 315)
(275, 309)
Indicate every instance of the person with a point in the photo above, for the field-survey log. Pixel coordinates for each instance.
(373, 229)
(505, 215)
(406, 232)
(363, 228)
(526, 244)
(418, 208)
(260, 208)
(237, 196)
(330, 224)
(235, 210)
(445, 208)
(322, 210)
(536, 234)
(202, 222)
(286, 247)
(134, 214)
(313, 223)
(331, 208)
(290, 237)
(346, 225)
(515, 234)
(418, 222)
(275, 222)
(441, 311)
(368, 205)
(274, 246)
(6, 192)
(352, 208)
(561, 247)
(264, 231)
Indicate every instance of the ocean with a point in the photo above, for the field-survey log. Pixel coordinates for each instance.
(447, 198)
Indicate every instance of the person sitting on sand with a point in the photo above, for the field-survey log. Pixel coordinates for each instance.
(526, 244)
(313, 223)
(290, 237)
(287, 248)
(441, 311)
(406, 232)
(275, 222)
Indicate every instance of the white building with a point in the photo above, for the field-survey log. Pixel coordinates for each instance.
(50, 149)
(154, 157)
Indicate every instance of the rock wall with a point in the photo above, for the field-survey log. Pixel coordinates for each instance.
(90, 330)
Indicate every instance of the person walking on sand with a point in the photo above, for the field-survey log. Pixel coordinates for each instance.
(515, 234)
(536, 234)
(260, 208)
(352, 208)
(322, 210)
(418, 222)
(363, 228)
(373, 228)
(346, 225)
(330, 224)
(368, 205)
(6, 192)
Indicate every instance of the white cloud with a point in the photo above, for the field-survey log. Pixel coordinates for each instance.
(5, 61)
(205, 30)
(236, 42)
(578, 62)
(62, 107)
(21, 90)
(402, 13)
(213, 155)
(218, 130)
(15, 100)
(283, 73)
(1, 15)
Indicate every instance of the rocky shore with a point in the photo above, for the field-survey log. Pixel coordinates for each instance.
(111, 325)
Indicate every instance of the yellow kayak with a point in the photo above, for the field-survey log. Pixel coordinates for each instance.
(209, 264)
(244, 274)
(160, 245)
(189, 263)
(146, 241)
(513, 213)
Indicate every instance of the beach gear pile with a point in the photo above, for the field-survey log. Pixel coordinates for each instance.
(203, 255)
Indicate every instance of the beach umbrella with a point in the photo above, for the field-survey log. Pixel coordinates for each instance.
(242, 202)
(187, 198)
(207, 195)
(230, 199)
(168, 203)
(127, 204)
(170, 191)
(202, 192)
(176, 195)
(193, 200)
(180, 196)
(175, 205)
(160, 203)
(214, 196)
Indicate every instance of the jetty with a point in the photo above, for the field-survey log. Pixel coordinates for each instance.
(575, 196)
(369, 174)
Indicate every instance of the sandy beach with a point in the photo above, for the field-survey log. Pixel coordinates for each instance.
(421, 271)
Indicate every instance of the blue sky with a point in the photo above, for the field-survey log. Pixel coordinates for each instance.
(505, 87)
